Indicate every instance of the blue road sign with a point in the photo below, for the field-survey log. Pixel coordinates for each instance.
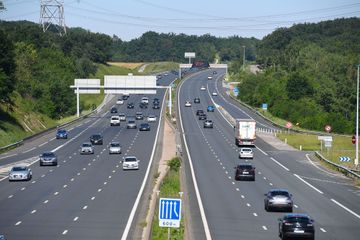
(264, 106)
(344, 159)
(236, 91)
(169, 212)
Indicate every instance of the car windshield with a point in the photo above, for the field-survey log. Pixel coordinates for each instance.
(279, 193)
(130, 159)
(86, 145)
(18, 169)
(245, 166)
(48, 154)
(151, 116)
(96, 136)
(246, 150)
(115, 144)
(297, 219)
(61, 131)
(144, 125)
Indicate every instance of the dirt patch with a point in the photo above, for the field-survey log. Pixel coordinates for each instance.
(125, 64)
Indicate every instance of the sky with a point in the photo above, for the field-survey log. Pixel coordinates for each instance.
(129, 19)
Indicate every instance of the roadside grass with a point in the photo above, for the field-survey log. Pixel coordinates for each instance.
(169, 188)
(341, 146)
(157, 67)
(128, 65)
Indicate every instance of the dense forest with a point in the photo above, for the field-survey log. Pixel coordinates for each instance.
(309, 74)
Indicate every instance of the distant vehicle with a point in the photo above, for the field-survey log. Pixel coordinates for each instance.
(130, 105)
(131, 124)
(122, 117)
(197, 100)
(87, 148)
(114, 147)
(203, 88)
(125, 96)
(130, 162)
(115, 121)
(209, 77)
(210, 108)
(96, 139)
(61, 134)
(143, 105)
(144, 127)
(120, 101)
(156, 100)
(199, 112)
(159, 76)
(246, 153)
(2, 237)
(245, 132)
(145, 100)
(214, 72)
(156, 106)
(113, 110)
(208, 124)
(202, 116)
(48, 158)
(165, 74)
(294, 225)
(139, 116)
(214, 94)
(187, 104)
(151, 118)
(244, 171)
(20, 173)
(278, 199)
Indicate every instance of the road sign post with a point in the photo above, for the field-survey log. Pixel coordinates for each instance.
(169, 212)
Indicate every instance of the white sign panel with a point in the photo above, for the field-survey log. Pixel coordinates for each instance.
(182, 65)
(129, 84)
(88, 86)
(189, 54)
(169, 212)
(218, 65)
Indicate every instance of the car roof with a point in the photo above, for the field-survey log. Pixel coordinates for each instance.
(244, 164)
(130, 157)
(296, 215)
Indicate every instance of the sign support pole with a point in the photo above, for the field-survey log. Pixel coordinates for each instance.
(170, 103)
(169, 233)
(77, 102)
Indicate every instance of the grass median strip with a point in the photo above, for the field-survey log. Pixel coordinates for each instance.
(170, 188)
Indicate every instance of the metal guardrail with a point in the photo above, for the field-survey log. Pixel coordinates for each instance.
(340, 168)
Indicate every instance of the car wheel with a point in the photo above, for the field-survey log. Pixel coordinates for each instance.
(253, 179)
(291, 209)
(266, 207)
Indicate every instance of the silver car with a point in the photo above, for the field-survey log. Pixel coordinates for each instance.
(87, 148)
(208, 124)
(20, 173)
(131, 123)
(130, 162)
(246, 153)
(122, 117)
(48, 158)
(278, 199)
(114, 147)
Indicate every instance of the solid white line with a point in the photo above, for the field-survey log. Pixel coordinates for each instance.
(9, 156)
(262, 151)
(136, 203)
(18, 223)
(323, 230)
(328, 173)
(29, 150)
(64, 232)
(347, 209)
(279, 164)
(308, 184)
(43, 144)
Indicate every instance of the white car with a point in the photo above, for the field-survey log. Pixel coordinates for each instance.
(209, 77)
(214, 94)
(114, 147)
(187, 104)
(145, 100)
(120, 101)
(130, 162)
(203, 88)
(246, 153)
(87, 148)
(20, 173)
(122, 117)
(151, 118)
(115, 121)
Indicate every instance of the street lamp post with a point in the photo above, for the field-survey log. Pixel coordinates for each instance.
(356, 162)
(244, 57)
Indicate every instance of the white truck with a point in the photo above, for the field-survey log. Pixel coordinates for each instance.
(245, 132)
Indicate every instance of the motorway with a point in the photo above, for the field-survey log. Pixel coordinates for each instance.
(235, 209)
(85, 196)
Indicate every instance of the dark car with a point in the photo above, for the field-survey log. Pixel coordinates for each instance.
(214, 72)
(210, 108)
(156, 100)
(143, 105)
(139, 116)
(245, 171)
(144, 127)
(96, 139)
(208, 124)
(48, 158)
(130, 105)
(61, 134)
(113, 110)
(295, 225)
(199, 112)
(278, 199)
(197, 100)
(202, 116)
(156, 106)
(125, 97)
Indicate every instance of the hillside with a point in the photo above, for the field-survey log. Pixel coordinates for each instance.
(309, 75)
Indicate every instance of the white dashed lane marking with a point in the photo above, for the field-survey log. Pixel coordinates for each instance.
(265, 228)
(323, 230)
(76, 218)
(10, 196)
(18, 223)
(255, 214)
(64, 232)
(33, 211)
(46, 201)
(85, 207)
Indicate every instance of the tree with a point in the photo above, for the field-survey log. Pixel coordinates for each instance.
(7, 68)
(298, 86)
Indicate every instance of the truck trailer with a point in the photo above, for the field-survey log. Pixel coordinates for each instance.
(245, 132)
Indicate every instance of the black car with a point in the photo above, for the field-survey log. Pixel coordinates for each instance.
(197, 100)
(156, 101)
(156, 106)
(199, 112)
(125, 97)
(139, 116)
(113, 110)
(96, 139)
(130, 105)
(295, 225)
(202, 116)
(245, 171)
(144, 127)
(214, 72)
(143, 105)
